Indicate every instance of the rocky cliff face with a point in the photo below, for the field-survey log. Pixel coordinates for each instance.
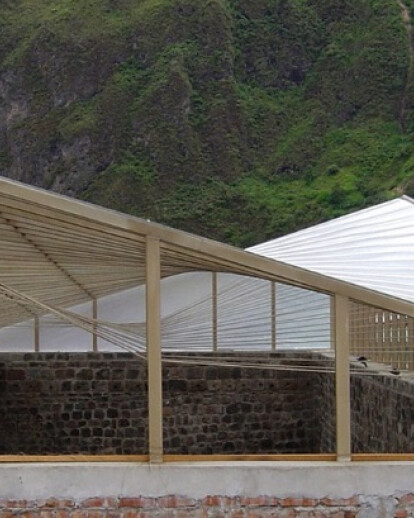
(237, 119)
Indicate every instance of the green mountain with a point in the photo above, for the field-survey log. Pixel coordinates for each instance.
(236, 119)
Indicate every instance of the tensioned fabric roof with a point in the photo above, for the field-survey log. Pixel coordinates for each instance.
(373, 248)
(59, 252)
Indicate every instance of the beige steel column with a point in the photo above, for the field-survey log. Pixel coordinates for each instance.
(273, 313)
(153, 320)
(411, 342)
(214, 309)
(95, 318)
(332, 319)
(342, 381)
(36, 334)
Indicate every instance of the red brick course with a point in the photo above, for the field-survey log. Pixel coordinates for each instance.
(401, 513)
(211, 506)
(140, 502)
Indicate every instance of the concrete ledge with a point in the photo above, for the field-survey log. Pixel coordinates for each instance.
(197, 480)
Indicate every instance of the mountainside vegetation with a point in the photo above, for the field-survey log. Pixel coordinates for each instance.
(240, 120)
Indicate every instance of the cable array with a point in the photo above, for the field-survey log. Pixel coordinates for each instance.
(55, 265)
(130, 337)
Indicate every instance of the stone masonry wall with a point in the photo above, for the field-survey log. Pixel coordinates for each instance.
(236, 410)
(382, 411)
(382, 414)
(326, 411)
(72, 403)
(97, 403)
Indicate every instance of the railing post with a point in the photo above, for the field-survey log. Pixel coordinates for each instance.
(214, 310)
(95, 318)
(342, 379)
(273, 313)
(153, 326)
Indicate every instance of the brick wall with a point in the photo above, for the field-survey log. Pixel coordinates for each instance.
(217, 506)
(97, 403)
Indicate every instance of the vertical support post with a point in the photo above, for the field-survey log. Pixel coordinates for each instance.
(153, 321)
(214, 309)
(411, 342)
(36, 334)
(406, 338)
(273, 313)
(332, 319)
(342, 381)
(95, 318)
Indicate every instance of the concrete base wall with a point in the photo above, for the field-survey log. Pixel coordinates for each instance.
(237, 490)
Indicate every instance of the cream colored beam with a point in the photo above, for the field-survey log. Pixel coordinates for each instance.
(214, 309)
(273, 313)
(332, 321)
(342, 379)
(153, 304)
(224, 257)
(95, 318)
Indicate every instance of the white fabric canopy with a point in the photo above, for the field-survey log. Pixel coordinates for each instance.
(373, 248)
